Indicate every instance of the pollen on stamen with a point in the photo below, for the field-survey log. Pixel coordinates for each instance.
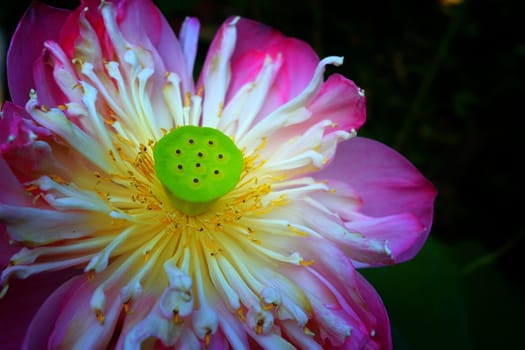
(31, 188)
(297, 231)
(268, 307)
(219, 112)
(110, 152)
(127, 307)
(262, 144)
(37, 197)
(176, 318)
(147, 255)
(259, 326)
(240, 313)
(307, 263)
(100, 316)
(308, 332)
(58, 179)
(200, 92)
(76, 60)
(207, 339)
(90, 275)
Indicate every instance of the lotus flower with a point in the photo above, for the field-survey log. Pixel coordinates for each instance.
(140, 209)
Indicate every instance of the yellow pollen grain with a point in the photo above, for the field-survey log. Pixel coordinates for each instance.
(307, 263)
(90, 275)
(127, 307)
(31, 188)
(37, 197)
(58, 179)
(147, 255)
(176, 317)
(125, 140)
(187, 99)
(297, 231)
(100, 316)
(109, 121)
(219, 112)
(259, 327)
(240, 313)
(207, 338)
(110, 152)
(308, 332)
(261, 146)
(268, 307)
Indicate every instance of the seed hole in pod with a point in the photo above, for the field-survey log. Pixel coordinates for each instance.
(200, 154)
(195, 180)
(197, 165)
(216, 172)
(191, 141)
(210, 142)
(180, 167)
(178, 151)
(220, 156)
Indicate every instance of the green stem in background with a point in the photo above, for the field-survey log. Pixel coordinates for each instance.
(492, 257)
(429, 77)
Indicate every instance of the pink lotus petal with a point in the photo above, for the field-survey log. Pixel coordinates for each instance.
(341, 102)
(387, 184)
(77, 325)
(142, 24)
(253, 44)
(21, 304)
(43, 322)
(40, 23)
(189, 41)
(22, 145)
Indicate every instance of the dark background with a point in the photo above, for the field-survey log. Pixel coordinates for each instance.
(444, 82)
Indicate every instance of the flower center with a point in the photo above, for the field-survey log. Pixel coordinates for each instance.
(197, 166)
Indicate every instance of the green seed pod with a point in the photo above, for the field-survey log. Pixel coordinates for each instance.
(197, 165)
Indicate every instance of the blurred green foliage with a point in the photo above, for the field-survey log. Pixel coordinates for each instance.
(444, 87)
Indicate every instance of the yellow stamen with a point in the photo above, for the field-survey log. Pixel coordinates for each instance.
(90, 275)
(307, 331)
(207, 339)
(307, 263)
(127, 307)
(240, 312)
(100, 316)
(176, 318)
(58, 179)
(297, 231)
(259, 327)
